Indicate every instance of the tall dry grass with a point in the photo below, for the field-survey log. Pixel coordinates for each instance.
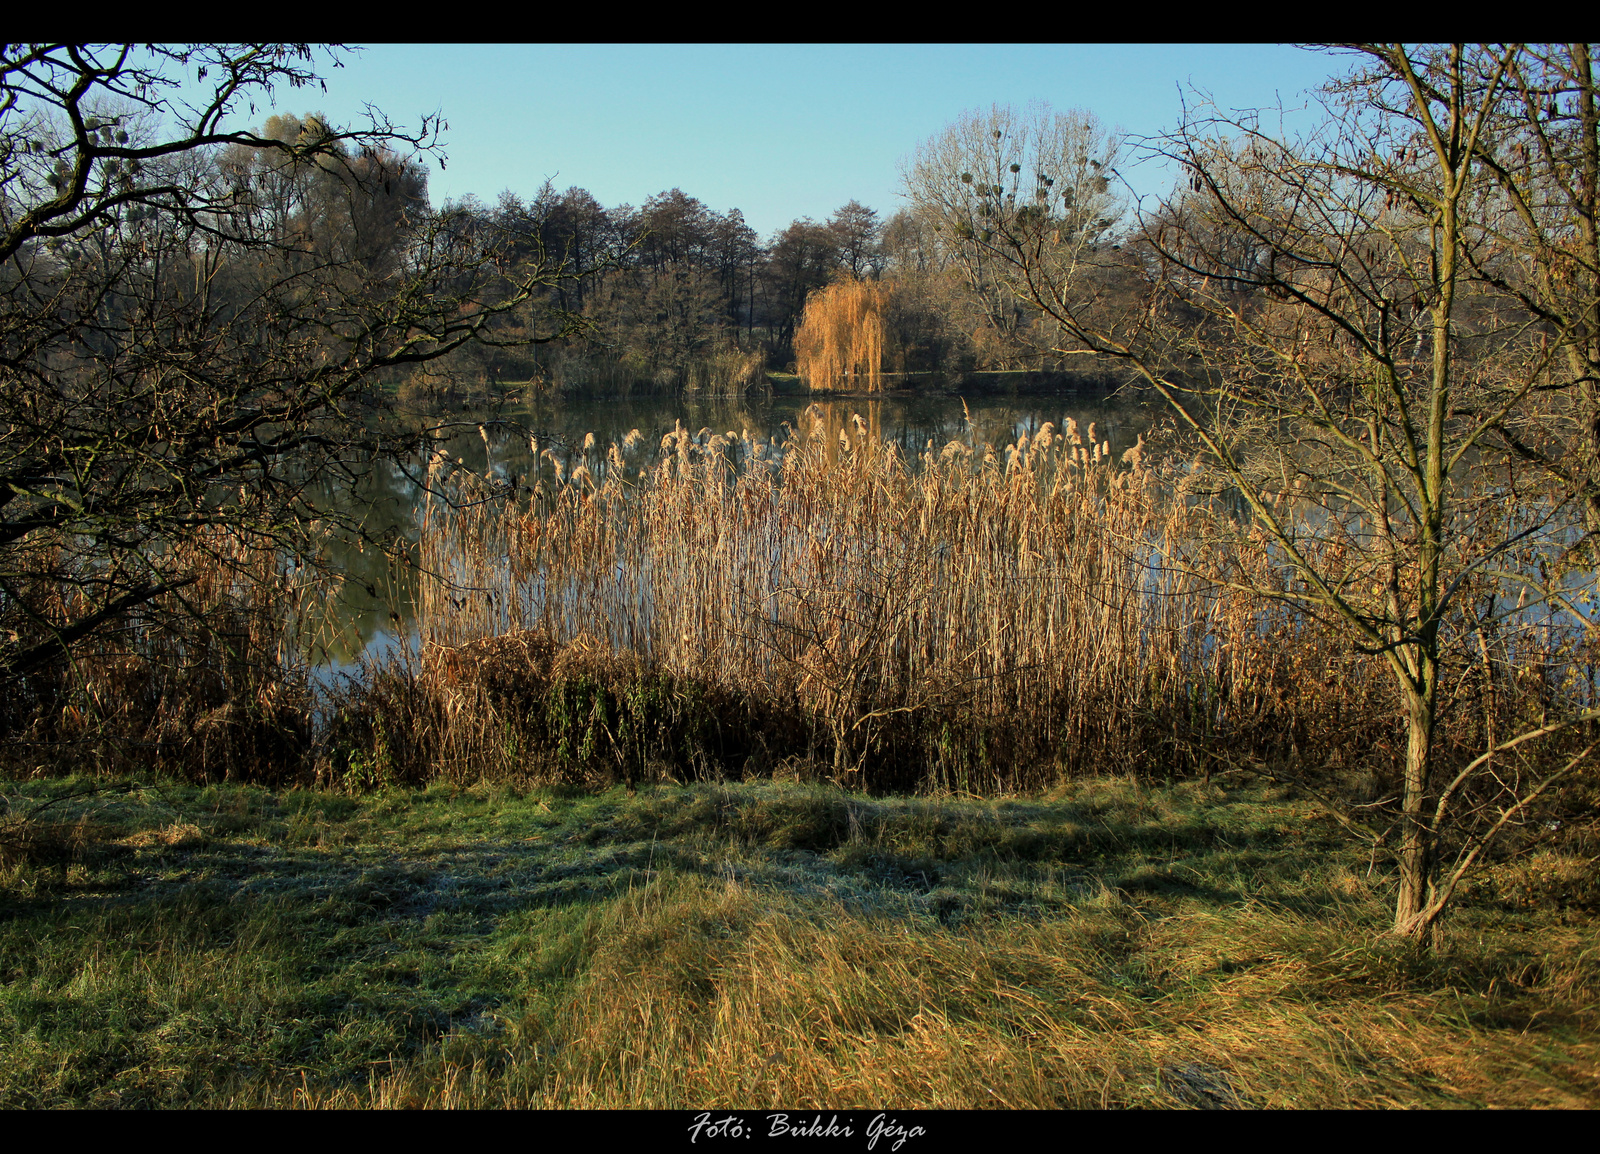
(969, 619)
(965, 618)
(207, 681)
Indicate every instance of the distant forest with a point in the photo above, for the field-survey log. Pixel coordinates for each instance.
(677, 297)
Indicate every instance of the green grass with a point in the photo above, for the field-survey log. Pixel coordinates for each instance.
(1107, 945)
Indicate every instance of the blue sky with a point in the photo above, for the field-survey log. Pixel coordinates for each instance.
(778, 131)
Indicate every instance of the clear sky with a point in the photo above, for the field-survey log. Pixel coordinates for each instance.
(778, 131)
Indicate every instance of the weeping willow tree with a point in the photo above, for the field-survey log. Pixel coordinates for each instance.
(841, 339)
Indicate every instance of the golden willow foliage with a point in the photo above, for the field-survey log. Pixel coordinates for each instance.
(842, 335)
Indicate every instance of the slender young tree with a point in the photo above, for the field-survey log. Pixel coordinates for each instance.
(1318, 314)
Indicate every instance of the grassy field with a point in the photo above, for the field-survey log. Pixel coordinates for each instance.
(1108, 944)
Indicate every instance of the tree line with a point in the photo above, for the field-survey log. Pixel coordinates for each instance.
(675, 295)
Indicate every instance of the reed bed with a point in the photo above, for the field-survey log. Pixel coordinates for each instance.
(969, 619)
(821, 604)
(207, 681)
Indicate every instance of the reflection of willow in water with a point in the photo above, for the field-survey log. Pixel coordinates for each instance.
(1019, 587)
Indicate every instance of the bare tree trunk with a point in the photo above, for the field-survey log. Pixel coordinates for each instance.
(1416, 854)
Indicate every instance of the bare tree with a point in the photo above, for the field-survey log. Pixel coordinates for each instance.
(197, 321)
(1031, 176)
(860, 236)
(1314, 318)
(800, 258)
(1538, 240)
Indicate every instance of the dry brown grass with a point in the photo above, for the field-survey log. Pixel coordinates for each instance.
(973, 620)
(207, 681)
(700, 995)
